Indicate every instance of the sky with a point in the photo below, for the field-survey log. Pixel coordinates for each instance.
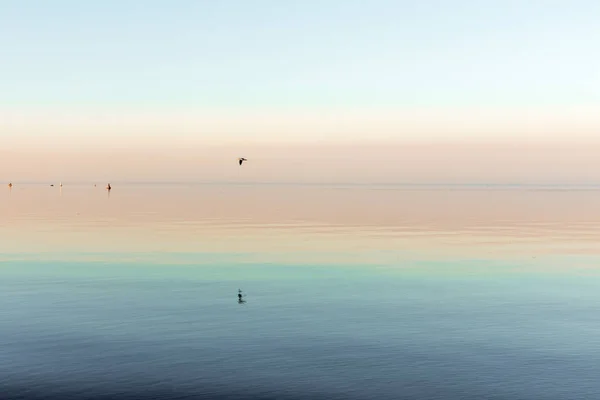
(82, 79)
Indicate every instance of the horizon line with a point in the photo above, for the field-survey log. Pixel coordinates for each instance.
(341, 183)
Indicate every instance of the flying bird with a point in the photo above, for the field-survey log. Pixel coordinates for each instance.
(241, 160)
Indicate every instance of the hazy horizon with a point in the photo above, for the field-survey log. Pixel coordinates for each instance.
(434, 162)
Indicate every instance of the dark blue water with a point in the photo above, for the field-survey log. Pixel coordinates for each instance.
(122, 330)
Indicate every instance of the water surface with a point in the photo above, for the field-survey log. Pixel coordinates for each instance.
(352, 292)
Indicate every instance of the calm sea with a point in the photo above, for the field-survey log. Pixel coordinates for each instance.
(351, 292)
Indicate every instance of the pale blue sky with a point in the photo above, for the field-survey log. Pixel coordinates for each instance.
(298, 54)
